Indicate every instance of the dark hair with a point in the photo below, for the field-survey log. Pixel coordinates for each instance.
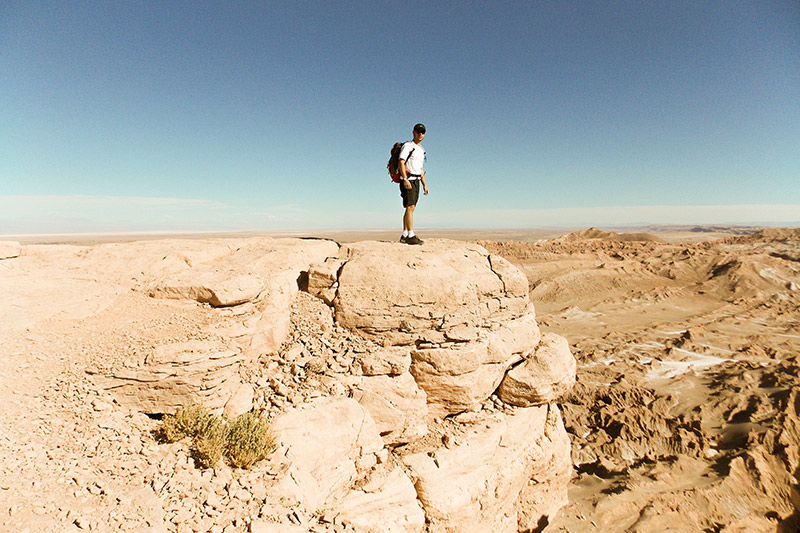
(419, 128)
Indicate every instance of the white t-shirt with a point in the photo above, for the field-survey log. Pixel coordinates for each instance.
(415, 160)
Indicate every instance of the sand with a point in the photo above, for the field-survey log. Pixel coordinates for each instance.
(684, 418)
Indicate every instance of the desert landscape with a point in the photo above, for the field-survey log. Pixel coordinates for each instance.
(546, 380)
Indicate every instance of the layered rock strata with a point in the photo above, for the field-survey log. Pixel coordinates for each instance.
(252, 282)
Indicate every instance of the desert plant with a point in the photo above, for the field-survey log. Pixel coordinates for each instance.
(208, 444)
(248, 440)
(188, 421)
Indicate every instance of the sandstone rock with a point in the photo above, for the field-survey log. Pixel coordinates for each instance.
(514, 281)
(271, 321)
(241, 401)
(457, 378)
(473, 485)
(519, 336)
(396, 293)
(461, 376)
(546, 490)
(392, 508)
(218, 289)
(794, 496)
(323, 279)
(392, 360)
(9, 249)
(264, 272)
(397, 405)
(543, 376)
(323, 439)
(176, 375)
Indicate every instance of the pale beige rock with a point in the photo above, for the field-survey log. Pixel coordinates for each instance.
(218, 289)
(397, 405)
(9, 249)
(145, 503)
(264, 272)
(241, 401)
(396, 292)
(176, 375)
(459, 377)
(269, 324)
(473, 485)
(514, 281)
(391, 508)
(546, 490)
(519, 336)
(323, 279)
(543, 376)
(323, 439)
(392, 360)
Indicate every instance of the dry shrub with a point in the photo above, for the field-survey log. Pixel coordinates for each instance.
(248, 440)
(244, 442)
(209, 444)
(188, 421)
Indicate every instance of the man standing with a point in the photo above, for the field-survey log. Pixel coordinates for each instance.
(412, 157)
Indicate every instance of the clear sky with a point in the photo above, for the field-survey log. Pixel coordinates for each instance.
(140, 116)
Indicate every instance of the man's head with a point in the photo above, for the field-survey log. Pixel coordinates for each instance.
(419, 132)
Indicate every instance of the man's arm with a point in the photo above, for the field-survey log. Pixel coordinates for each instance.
(401, 164)
(424, 184)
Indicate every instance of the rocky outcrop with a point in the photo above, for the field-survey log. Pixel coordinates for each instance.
(472, 335)
(396, 403)
(458, 376)
(264, 276)
(474, 485)
(388, 506)
(415, 393)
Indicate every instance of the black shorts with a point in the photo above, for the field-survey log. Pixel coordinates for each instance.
(410, 196)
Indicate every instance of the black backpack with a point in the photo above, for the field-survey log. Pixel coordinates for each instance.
(394, 161)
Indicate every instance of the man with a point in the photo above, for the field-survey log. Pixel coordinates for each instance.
(412, 157)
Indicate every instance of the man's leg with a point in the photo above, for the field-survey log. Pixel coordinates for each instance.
(408, 218)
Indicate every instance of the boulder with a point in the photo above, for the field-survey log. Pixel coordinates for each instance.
(397, 405)
(323, 279)
(474, 485)
(461, 375)
(543, 376)
(179, 374)
(9, 249)
(397, 294)
(324, 441)
(389, 507)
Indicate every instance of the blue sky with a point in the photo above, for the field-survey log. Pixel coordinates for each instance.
(142, 116)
